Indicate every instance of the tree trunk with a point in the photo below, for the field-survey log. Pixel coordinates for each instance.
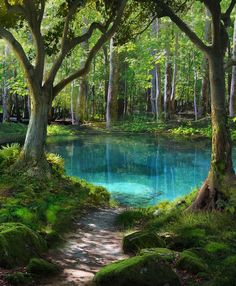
(33, 153)
(112, 104)
(205, 68)
(232, 102)
(221, 176)
(5, 96)
(195, 94)
(168, 85)
(174, 78)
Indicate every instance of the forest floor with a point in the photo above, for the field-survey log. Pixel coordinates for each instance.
(95, 243)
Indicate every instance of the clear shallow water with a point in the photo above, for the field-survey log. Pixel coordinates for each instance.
(137, 170)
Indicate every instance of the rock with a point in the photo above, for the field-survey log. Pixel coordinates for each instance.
(157, 212)
(146, 270)
(42, 267)
(134, 242)
(18, 244)
(19, 278)
(230, 261)
(191, 262)
(217, 248)
(165, 253)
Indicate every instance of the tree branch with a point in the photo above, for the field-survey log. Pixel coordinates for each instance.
(230, 64)
(104, 37)
(183, 27)
(226, 16)
(19, 51)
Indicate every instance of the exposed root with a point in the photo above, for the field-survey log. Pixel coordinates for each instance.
(39, 169)
(212, 192)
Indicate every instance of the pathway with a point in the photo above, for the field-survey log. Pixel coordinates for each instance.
(96, 243)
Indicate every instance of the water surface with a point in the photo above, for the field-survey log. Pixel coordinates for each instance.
(137, 170)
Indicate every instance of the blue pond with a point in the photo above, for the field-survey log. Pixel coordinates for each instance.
(137, 170)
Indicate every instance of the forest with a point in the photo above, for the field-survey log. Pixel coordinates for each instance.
(117, 142)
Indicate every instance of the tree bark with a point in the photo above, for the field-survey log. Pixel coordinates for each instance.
(33, 153)
(5, 96)
(112, 103)
(232, 102)
(168, 85)
(221, 175)
(205, 92)
(82, 101)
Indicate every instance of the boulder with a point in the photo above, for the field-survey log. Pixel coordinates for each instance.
(146, 270)
(191, 262)
(134, 242)
(42, 267)
(18, 244)
(165, 253)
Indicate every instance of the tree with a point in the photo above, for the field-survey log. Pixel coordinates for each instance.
(221, 177)
(62, 39)
(232, 102)
(113, 86)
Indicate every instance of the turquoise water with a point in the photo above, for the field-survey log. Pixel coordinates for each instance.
(137, 170)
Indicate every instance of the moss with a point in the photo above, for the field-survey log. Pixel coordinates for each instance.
(18, 244)
(217, 247)
(134, 242)
(42, 267)
(148, 270)
(19, 279)
(190, 262)
(230, 261)
(165, 253)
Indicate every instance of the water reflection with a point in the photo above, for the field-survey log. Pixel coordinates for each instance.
(137, 170)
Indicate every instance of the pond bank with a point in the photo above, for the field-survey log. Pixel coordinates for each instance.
(95, 243)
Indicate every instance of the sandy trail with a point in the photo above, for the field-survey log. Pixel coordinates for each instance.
(96, 243)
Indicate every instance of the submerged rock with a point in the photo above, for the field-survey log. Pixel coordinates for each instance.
(18, 244)
(134, 242)
(146, 270)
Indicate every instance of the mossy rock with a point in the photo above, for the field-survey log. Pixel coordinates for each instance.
(19, 279)
(134, 242)
(218, 248)
(42, 267)
(191, 262)
(165, 253)
(230, 261)
(187, 237)
(18, 244)
(146, 270)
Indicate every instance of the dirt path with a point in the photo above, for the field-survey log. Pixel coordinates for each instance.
(95, 244)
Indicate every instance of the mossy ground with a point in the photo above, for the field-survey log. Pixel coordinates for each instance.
(204, 243)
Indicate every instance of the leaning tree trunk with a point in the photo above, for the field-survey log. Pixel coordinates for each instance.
(33, 153)
(221, 175)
